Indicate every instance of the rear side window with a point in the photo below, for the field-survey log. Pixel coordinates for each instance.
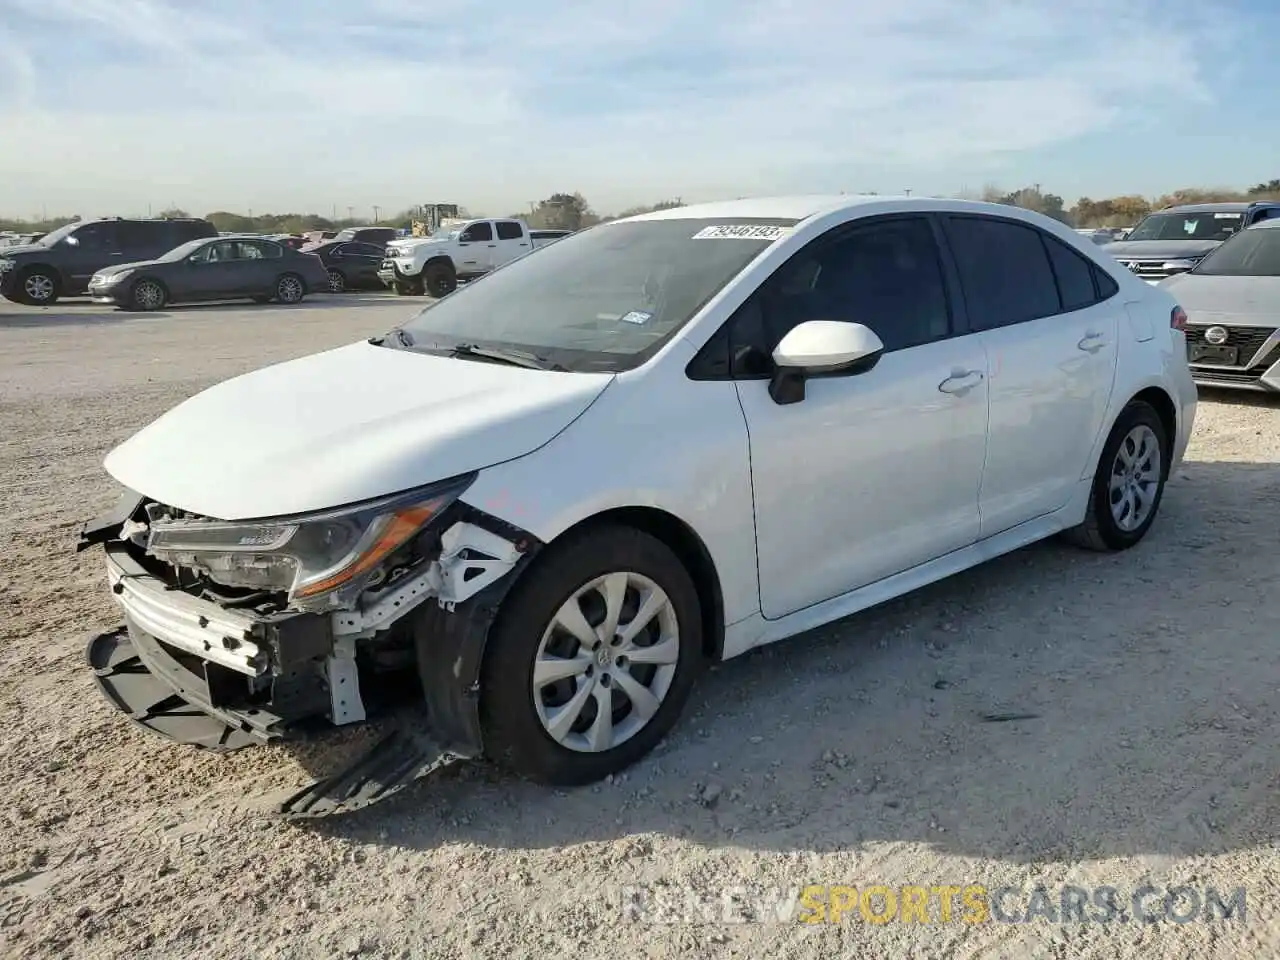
(509, 230)
(1004, 271)
(1074, 274)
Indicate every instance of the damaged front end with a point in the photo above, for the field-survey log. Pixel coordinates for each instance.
(248, 632)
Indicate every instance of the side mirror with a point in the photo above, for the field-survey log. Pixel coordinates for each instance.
(821, 348)
(71, 241)
(1177, 266)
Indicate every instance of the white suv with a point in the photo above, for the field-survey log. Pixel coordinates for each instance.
(556, 495)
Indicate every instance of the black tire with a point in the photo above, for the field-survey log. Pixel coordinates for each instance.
(41, 279)
(290, 288)
(148, 294)
(514, 735)
(408, 288)
(337, 282)
(1100, 530)
(439, 279)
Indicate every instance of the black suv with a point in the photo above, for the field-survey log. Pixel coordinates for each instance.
(62, 261)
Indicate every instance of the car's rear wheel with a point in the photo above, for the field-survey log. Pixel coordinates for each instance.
(39, 286)
(337, 282)
(408, 288)
(1128, 484)
(148, 295)
(290, 288)
(439, 279)
(592, 658)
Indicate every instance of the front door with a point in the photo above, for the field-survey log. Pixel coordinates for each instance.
(93, 247)
(476, 245)
(1050, 321)
(512, 242)
(874, 473)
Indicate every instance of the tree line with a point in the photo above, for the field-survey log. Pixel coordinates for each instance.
(571, 211)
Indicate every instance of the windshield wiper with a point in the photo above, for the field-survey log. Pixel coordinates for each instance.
(514, 358)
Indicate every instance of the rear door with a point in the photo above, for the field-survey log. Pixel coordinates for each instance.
(253, 267)
(1049, 323)
(360, 262)
(512, 241)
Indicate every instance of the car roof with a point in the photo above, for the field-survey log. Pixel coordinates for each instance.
(1226, 207)
(803, 207)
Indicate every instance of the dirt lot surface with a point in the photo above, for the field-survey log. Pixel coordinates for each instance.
(1139, 696)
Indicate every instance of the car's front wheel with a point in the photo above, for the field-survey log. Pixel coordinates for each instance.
(592, 658)
(1128, 484)
(148, 295)
(337, 282)
(39, 287)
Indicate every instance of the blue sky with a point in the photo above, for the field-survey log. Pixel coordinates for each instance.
(109, 106)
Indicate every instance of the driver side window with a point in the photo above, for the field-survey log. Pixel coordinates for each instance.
(886, 276)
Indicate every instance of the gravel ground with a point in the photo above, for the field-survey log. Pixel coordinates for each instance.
(1146, 684)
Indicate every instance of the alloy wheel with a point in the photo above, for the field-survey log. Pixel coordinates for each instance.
(38, 287)
(289, 290)
(148, 295)
(337, 283)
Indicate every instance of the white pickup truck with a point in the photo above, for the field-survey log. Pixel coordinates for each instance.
(458, 251)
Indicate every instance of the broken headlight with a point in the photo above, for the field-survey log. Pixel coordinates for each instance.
(322, 560)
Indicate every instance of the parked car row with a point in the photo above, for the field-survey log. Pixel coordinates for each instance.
(146, 264)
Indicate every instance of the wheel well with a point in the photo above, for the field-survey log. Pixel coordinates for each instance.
(1163, 405)
(438, 261)
(693, 553)
(297, 276)
(46, 268)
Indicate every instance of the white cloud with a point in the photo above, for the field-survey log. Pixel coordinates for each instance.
(114, 104)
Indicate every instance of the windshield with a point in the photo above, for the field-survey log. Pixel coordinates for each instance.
(1187, 226)
(1253, 253)
(188, 248)
(53, 236)
(604, 299)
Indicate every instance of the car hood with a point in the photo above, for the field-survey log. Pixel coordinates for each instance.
(1227, 300)
(408, 245)
(343, 426)
(20, 249)
(1160, 249)
(122, 267)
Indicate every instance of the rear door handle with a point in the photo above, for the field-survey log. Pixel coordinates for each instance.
(492, 245)
(961, 382)
(1092, 342)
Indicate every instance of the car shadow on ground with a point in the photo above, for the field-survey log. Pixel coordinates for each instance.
(1049, 706)
(1238, 398)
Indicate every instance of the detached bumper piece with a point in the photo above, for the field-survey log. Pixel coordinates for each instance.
(126, 681)
(125, 678)
(401, 757)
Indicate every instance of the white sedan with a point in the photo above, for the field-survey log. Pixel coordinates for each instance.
(553, 496)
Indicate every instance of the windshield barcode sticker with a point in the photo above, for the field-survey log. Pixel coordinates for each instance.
(1227, 216)
(744, 231)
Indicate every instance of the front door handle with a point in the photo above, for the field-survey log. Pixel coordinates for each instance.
(492, 245)
(961, 382)
(1092, 342)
